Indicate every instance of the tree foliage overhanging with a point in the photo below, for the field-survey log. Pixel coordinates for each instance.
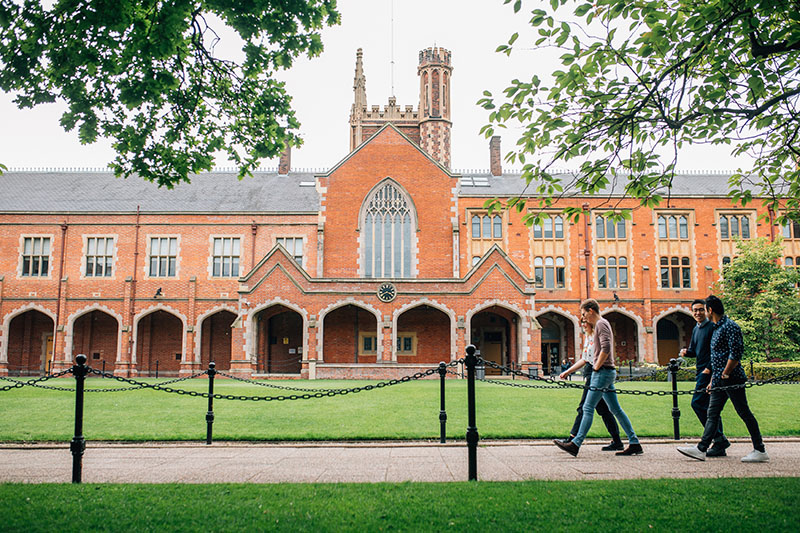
(145, 74)
(643, 79)
(762, 297)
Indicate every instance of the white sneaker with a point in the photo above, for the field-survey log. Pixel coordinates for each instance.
(694, 452)
(756, 457)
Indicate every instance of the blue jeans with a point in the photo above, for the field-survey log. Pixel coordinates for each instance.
(603, 379)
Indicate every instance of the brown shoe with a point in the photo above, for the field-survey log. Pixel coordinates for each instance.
(569, 447)
(632, 449)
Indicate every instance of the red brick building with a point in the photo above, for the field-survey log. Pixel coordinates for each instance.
(384, 264)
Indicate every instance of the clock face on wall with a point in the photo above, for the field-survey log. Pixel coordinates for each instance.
(386, 292)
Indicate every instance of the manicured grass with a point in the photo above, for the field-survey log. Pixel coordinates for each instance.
(405, 411)
(740, 505)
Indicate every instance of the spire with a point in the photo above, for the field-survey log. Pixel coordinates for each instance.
(359, 86)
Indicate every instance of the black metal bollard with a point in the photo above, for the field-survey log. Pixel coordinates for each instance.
(442, 413)
(630, 368)
(472, 431)
(212, 370)
(676, 413)
(156, 368)
(104, 369)
(752, 375)
(78, 444)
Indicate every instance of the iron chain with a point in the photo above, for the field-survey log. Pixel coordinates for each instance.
(565, 384)
(307, 396)
(18, 383)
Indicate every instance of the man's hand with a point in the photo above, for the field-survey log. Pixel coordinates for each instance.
(682, 353)
(564, 374)
(706, 371)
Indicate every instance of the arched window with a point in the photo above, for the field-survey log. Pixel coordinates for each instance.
(684, 227)
(559, 227)
(600, 228)
(662, 227)
(497, 227)
(723, 227)
(476, 227)
(388, 249)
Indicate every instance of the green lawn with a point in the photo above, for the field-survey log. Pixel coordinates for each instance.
(405, 411)
(740, 505)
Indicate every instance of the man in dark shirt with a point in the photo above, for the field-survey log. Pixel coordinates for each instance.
(700, 348)
(727, 348)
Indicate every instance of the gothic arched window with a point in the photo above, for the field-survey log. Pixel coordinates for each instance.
(388, 218)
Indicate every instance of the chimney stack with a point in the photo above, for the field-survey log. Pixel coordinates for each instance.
(285, 164)
(495, 162)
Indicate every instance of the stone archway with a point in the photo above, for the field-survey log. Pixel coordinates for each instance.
(215, 339)
(351, 335)
(557, 341)
(30, 343)
(96, 334)
(626, 336)
(159, 343)
(422, 335)
(494, 331)
(673, 332)
(279, 340)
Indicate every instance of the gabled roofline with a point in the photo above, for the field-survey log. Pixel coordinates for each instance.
(373, 136)
(485, 258)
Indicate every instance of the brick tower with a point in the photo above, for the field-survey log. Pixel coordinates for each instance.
(434, 103)
(429, 126)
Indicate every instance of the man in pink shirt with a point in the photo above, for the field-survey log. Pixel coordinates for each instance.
(603, 377)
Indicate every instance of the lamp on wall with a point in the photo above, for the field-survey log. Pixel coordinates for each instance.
(158, 293)
(616, 298)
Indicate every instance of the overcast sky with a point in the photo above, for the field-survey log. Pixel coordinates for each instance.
(322, 88)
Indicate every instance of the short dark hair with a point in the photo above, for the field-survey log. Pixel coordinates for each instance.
(591, 303)
(715, 304)
(698, 301)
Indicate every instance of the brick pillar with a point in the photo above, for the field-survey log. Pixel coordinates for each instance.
(3, 342)
(123, 366)
(309, 362)
(60, 359)
(649, 353)
(240, 360)
(386, 353)
(495, 160)
(190, 364)
(461, 338)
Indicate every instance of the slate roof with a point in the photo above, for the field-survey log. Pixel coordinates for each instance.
(222, 192)
(214, 192)
(703, 184)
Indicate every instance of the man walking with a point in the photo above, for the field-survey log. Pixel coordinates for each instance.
(603, 376)
(700, 348)
(727, 348)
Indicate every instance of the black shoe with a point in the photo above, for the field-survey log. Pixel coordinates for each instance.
(718, 449)
(569, 447)
(565, 441)
(613, 447)
(632, 449)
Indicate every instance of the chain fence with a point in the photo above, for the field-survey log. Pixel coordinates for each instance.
(310, 393)
(787, 379)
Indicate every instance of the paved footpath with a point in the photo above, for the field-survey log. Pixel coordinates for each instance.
(238, 462)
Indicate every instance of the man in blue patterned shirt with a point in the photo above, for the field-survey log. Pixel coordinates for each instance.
(727, 348)
(700, 349)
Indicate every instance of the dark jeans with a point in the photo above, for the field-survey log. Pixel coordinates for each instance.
(602, 410)
(700, 401)
(739, 400)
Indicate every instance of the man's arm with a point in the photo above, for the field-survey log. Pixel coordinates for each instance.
(735, 351)
(600, 360)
